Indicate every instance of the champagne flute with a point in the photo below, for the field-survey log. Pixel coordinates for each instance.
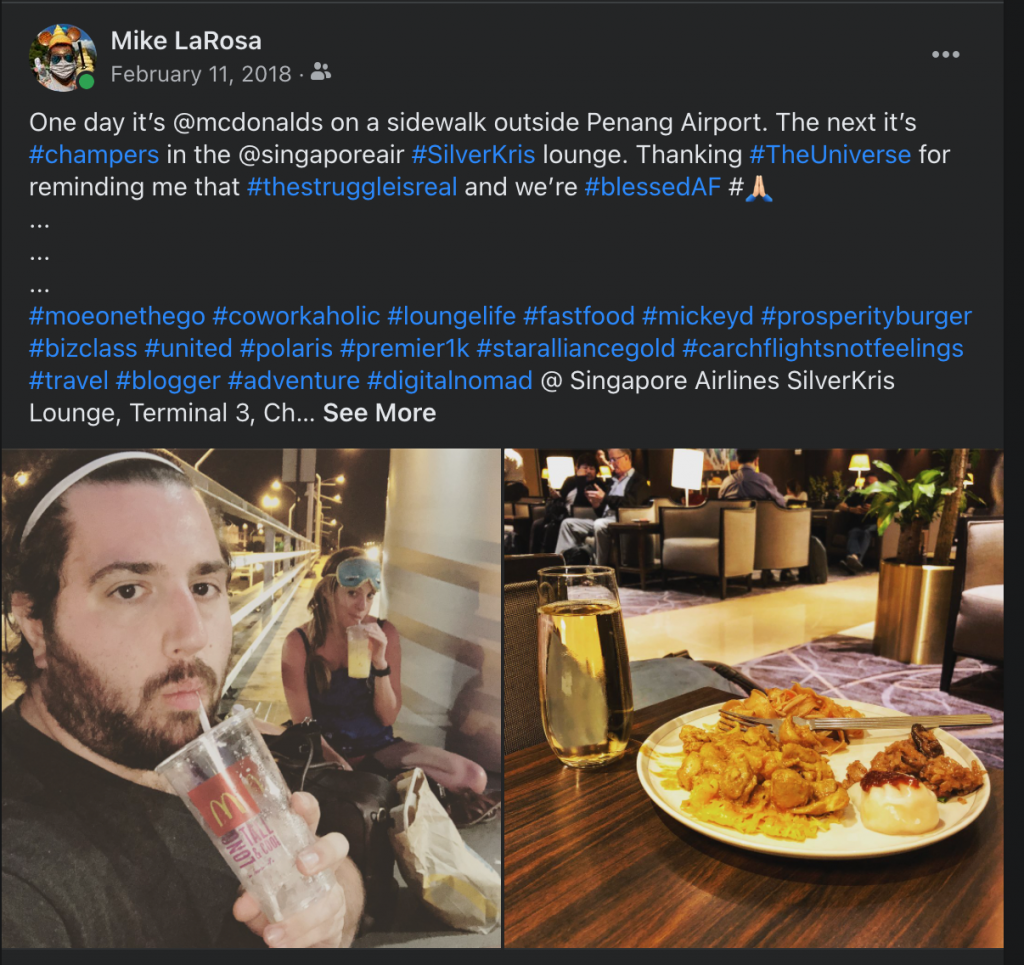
(586, 694)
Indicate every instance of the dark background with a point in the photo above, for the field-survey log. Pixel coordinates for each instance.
(836, 237)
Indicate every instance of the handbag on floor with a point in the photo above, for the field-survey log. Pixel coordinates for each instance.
(356, 803)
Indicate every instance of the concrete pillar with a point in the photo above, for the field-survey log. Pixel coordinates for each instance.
(442, 591)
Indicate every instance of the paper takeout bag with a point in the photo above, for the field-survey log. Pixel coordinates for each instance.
(454, 882)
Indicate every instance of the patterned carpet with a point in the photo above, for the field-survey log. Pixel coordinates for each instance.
(846, 668)
(697, 591)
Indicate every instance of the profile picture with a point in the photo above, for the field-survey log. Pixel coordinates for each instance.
(63, 58)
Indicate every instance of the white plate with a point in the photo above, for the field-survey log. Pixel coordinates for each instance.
(847, 840)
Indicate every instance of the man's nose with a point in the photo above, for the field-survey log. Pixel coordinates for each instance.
(184, 632)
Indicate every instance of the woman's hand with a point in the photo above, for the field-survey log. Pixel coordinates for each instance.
(378, 645)
(331, 921)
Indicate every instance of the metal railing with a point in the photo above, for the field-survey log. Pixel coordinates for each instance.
(282, 569)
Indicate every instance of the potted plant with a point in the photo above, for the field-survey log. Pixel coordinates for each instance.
(913, 591)
(817, 488)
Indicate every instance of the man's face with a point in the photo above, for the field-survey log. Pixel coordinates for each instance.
(62, 62)
(870, 479)
(621, 463)
(589, 473)
(142, 628)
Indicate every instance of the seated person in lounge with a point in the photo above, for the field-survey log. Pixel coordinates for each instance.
(573, 492)
(795, 493)
(863, 527)
(629, 488)
(515, 487)
(357, 714)
(748, 482)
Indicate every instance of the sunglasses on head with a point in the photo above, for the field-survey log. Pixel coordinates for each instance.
(57, 58)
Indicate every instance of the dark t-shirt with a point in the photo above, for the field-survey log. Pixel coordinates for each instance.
(91, 860)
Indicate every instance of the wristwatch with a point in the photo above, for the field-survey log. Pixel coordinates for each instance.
(386, 672)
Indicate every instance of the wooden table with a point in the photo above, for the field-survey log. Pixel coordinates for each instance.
(590, 861)
(639, 529)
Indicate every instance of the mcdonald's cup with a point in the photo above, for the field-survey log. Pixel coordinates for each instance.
(234, 789)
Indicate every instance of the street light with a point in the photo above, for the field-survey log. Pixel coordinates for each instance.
(270, 502)
(21, 478)
(277, 485)
(245, 536)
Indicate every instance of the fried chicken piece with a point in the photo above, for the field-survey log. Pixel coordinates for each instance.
(737, 780)
(789, 790)
(854, 773)
(692, 766)
(791, 753)
(692, 737)
(901, 756)
(947, 778)
(835, 801)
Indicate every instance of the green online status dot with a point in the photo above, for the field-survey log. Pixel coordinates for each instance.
(86, 81)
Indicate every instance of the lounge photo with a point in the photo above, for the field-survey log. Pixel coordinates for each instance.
(251, 698)
(767, 683)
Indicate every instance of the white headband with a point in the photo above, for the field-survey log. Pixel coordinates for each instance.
(68, 481)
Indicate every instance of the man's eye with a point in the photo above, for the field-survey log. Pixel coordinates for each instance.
(204, 589)
(128, 592)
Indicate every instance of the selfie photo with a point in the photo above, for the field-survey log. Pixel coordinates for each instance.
(251, 698)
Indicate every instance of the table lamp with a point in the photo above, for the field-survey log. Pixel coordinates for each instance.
(559, 469)
(687, 470)
(860, 462)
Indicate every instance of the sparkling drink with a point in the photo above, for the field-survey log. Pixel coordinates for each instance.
(586, 695)
(358, 651)
(234, 789)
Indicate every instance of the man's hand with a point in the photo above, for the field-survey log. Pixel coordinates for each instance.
(331, 921)
(595, 497)
(555, 494)
(843, 507)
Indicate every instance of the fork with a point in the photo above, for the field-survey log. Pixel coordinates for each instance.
(860, 723)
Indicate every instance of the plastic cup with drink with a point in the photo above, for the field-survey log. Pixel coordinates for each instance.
(358, 651)
(234, 789)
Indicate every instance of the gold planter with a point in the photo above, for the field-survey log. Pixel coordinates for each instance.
(913, 606)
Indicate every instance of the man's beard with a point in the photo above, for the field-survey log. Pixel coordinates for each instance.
(93, 713)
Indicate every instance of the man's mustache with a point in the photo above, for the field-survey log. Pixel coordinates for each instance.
(197, 670)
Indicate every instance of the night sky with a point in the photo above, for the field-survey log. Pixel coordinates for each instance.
(249, 473)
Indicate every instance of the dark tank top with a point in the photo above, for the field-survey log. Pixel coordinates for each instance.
(345, 712)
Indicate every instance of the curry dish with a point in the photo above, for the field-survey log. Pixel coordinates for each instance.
(748, 780)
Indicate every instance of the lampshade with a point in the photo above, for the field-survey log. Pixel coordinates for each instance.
(969, 479)
(560, 468)
(544, 473)
(860, 461)
(687, 468)
(604, 472)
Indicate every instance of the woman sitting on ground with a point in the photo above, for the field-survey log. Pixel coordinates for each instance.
(356, 714)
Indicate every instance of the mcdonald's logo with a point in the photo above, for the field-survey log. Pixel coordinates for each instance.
(224, 807)
(224, 801)
(253, 782)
